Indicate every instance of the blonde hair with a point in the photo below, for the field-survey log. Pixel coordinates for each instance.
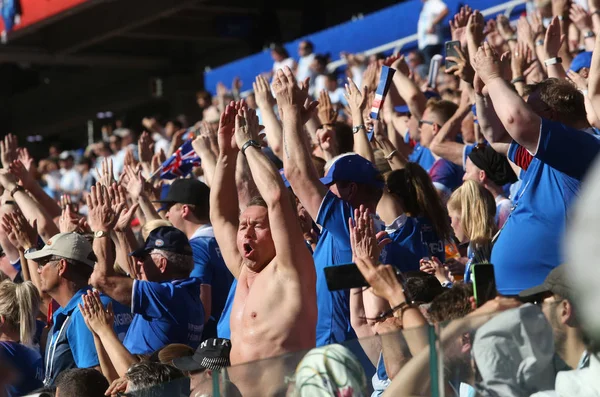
(477, 209)
(19, 304)
(153, 224)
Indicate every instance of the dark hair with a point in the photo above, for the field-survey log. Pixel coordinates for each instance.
(331, 76)
(422, 287)
(151, 379)
(344, 137)
(321, 59)
(413, 186)
(452, 304)
(309, 44)
(178, 124)
(319, 164)
(168, 353)
(80, 382)
(257, 201)
(204, 95)
(562, 97)
(280, 50)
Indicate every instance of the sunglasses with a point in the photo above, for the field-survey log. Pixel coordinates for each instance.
(421, 122)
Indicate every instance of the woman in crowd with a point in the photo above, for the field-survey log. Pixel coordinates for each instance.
(419, 225)
(472, 209)
(19, 304)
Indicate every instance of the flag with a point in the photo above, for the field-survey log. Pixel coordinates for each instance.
(181, 163)
(385, 80)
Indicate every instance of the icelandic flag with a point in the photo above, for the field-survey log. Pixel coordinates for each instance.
(181, 163)
(385, 80)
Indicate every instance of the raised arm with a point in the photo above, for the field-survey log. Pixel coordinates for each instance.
(140, 191)
(489, 124)
(292, 254)
(203, 148)
(357, 101)
(297, 163)
(408, 90)
(30, 208)
(102, 218)
(20, 170)
(519, 120)
(265, 103)
(126, 240)
(224, 206)
(552, 46)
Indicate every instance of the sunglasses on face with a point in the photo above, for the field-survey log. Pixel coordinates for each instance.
(421, 122)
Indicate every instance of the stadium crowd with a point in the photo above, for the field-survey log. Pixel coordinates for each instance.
(138, 267)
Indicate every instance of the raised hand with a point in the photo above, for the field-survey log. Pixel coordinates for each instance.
(237, 84)
(434, 267)
(363, 239)
(19, 232)
(101, 216)
(475, 27)
(226, 133)
(136, 184)
(401, 66)
(357, 100)
(487, 64)
(519, 59)
(145, 147)
(382, 279)
(246, 127)
(462, 68)
(580, 82)
(327, 114)
(458, 24)
(262, 92)
(8, 149)
(525, 32)
(129, 158)
(69, 221)
(504, 28)
(7, 179)
(580, 17)
(126, 214)
(287, 91)
(18, 170)
(96, 317)
(106, 174)
(24, 157)
(222, 91)
(554, 39)
(389, 61)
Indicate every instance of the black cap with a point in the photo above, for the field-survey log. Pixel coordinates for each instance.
(211, 354)
(556, 283)
(496, 166)
(166, 238)
(187, 191)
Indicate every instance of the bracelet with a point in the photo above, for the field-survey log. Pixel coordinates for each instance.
(589, 34)
(246, 145)
(15, 189)
(539, 42)
(561, 17)
(552, 61)
(389, 156)
(358, 128)
(584, 92)
(512, 38)
(520, 79)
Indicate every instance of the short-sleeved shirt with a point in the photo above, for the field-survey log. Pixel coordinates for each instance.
(70, 343)
(210, 268)
(413, 238)
(167, 312)
(422, 156)
(333, 248)
(431, 10)
(224, 328)
(446, 176)
(28, 365)
(528, 246)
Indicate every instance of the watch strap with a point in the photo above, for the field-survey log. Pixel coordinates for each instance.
(246, 145)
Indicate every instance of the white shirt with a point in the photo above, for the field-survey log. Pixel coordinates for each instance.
(71, 181)
(286, 62)
(304, 67)
(161, 143)
(337, 96)
(431, 10)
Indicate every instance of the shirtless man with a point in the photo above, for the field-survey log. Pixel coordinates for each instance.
(274, 309)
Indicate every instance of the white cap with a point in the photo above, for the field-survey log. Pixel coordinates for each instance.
(69, 246)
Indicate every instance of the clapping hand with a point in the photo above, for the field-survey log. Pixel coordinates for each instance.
(101, 215)
(287, 91)
(327, 114)
(487, 64)
(246, 127)
(119, 205)
(96, 317)
(106, 174)
(357, 100)
(19, 232)
(554, 39)
(145, 147)
(18, 169)
(363, 239)
(8, 149)
(262, 92)
(226, 133)
(69, 221)
(462, 68)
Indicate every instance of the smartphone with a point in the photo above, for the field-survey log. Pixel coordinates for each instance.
(434, 68)
(451, 52)
(484, 283)
(344, 277)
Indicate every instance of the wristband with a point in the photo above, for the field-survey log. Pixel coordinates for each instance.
(589, 34)
(552, 61)
(520, 79)
(561, 17)
(15, 189)
(251, 142)
(358, 128)
(389, 156)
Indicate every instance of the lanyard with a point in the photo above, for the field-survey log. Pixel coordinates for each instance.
(50, 356)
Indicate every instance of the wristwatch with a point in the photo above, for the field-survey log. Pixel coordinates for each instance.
(30, 250)
(552, 61)
(358, 128)
(100, 234)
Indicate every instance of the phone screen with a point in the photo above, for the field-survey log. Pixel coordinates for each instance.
(344, 277)
(484, 283)
(451, 52)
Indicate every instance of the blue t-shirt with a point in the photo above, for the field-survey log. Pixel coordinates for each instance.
(446, 176)
(168, 312)
(210, 268)
(70, 343)
(413, 239)
(528, 247)
(422, 156)
(333, 248)
(28, 365)
(224, 328)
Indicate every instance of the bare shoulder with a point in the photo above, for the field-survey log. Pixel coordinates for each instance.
(302, 268)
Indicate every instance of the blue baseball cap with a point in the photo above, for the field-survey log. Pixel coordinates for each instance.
(401, 109)
(582, 60)
(431, 94)
(353, 168)
(165, 238)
